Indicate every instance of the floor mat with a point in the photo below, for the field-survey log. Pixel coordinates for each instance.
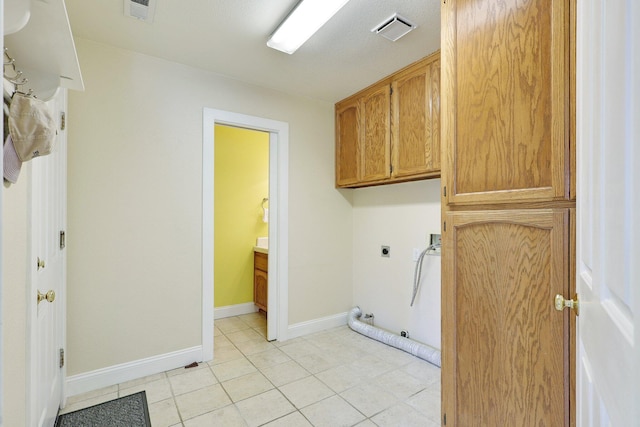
(127, 411)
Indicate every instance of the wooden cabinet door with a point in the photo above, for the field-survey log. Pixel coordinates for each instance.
(411, 122)
(261, 280)
(376, 134)
(260, 287)
(415, 130)
(434, 106)
(505, 70)
(505, 347)
(348, 143)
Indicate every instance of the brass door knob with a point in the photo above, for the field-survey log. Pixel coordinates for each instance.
(49, 296)
(561, 303)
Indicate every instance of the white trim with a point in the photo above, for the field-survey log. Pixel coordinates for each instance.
(207, 238)
(1, 254)
(234, 310)
(278, 284)
(316, 325)
(105, 377)
(64, 225)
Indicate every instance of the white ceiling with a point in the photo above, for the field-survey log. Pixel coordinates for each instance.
(229, 37)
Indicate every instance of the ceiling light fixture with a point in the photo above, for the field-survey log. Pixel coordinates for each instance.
(302, 22)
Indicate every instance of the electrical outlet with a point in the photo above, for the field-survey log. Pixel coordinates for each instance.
(385, 251)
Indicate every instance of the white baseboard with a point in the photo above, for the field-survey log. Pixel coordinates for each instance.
(234, 310)
(316, 325)
(105, 377)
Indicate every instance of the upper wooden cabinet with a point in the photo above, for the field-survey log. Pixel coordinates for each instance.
(390, 131)
(348, 151)
(375, 138)
(416, 120)
(506, 116)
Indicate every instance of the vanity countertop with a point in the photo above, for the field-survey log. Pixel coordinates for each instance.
(261, 250)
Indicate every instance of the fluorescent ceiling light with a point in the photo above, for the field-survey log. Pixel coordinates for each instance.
(303, 21)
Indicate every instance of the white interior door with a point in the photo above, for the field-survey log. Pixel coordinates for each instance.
(48, 210)
(608, 236)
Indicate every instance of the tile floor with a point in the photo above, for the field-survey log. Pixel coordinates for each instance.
(331, 378)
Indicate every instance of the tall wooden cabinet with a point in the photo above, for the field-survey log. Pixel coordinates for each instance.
(390, 131)
(507, 212)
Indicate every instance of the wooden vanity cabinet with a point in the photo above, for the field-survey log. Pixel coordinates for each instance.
(390, 131)
(260, 280)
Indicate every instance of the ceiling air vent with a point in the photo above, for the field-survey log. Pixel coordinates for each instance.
(394, 27)
(140, 9)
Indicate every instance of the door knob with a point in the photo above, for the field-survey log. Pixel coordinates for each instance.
(49, 296)
(561, 303)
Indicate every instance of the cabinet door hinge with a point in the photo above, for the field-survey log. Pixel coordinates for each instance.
(390, 90)
(63, 239)
(444, 226)
(63, 121)
(61, 357)
(444, 419)
(444, 189)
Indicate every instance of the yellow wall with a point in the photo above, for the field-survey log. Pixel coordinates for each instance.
(241, 181)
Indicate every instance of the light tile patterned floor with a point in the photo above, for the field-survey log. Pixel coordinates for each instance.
(332, 378)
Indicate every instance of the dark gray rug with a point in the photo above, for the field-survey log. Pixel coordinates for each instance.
(128, 411)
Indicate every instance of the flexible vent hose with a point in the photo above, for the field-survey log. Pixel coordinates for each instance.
(415, 348)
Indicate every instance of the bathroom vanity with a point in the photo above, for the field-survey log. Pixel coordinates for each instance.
(260, 270)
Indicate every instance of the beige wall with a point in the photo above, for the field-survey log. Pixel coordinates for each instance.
(400, 216)
(134, 205)
(14, 293)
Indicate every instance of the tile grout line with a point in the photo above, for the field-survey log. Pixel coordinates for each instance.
(335, 337)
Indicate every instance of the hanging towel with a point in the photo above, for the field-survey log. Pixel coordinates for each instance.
(12, 164)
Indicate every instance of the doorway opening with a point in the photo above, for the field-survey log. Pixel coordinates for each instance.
(277, 321)
(241, 225)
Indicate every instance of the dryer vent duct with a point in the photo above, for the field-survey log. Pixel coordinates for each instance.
(394, 27)
(143, 10)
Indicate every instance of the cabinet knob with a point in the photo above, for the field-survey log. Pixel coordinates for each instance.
(49, 296)
(561, 303)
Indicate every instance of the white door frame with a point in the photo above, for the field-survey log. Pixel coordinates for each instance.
(278, 286)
